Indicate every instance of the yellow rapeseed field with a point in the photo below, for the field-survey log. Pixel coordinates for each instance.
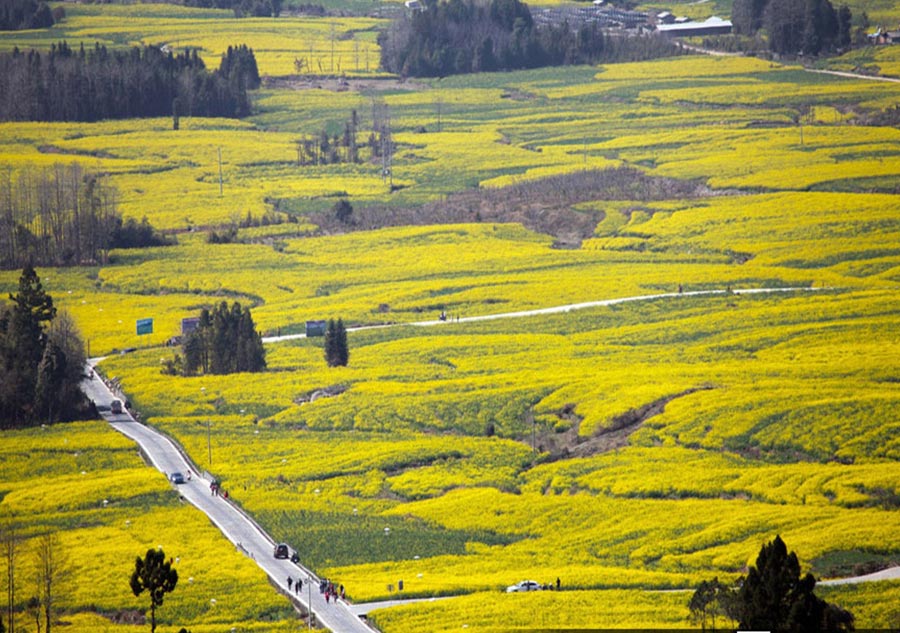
(631, 450)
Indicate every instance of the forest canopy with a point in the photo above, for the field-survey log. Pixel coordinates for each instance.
(16, 15)
(463, 36)
(93, 84)
(810, 27)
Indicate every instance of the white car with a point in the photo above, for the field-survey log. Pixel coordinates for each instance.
(525, 585)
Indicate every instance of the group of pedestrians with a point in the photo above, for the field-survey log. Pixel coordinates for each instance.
(331, 591)
(296, 584)
(326, 588)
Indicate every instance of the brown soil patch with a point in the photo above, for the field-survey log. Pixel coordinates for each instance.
(609, 438)
(336, 83)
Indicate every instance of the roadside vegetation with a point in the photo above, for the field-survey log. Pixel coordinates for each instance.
(627, 449)
(86, 488)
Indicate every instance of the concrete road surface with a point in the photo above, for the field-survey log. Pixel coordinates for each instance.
(239, 528)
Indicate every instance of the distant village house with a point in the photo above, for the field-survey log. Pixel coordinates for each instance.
(712, 26)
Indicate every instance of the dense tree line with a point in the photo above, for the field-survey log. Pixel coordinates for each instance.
(224, 342)
(63, 216)
(773, 596)
(462, 36)
(16, 15)
(92, 84)
(242, 8)
(809, 27)
(41, 359)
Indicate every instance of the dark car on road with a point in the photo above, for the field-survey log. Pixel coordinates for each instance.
(176, 478)
(282, 551)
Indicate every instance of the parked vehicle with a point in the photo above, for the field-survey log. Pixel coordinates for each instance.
(524, 585)
(115, 407)
(282, 551)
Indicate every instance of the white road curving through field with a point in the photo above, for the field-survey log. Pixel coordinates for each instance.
(237, 526)
(562, 309)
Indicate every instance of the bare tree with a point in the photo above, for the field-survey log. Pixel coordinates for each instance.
(10, 542)
(51, 569)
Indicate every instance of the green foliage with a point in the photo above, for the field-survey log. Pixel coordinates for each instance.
(337, 352)
(155, 575)
(795, 27)
(39, 373)
(774, 597)
(343, 211)
(225, 342)
(711, 600)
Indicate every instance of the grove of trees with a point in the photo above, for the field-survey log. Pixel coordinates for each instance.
(241, 8)
(16, 15)
(64, 216)
(462, 36)
(773, 596)
(809, 27)
(95, 84)
(224, 342)
(41, 359)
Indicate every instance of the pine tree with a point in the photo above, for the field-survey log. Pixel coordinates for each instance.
(22, 343)
(224, 342)
(774, 597)
(154, 575)
(337, 352)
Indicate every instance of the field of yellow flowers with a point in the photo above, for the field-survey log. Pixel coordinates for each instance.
(628, 449)
(86, 484)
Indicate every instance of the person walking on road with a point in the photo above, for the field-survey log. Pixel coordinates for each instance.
(290, 583)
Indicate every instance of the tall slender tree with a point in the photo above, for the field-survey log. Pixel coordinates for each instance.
(51, 570)
(337, 351)
(22, 343)
(10, 542)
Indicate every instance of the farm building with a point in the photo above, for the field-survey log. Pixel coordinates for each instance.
(712, 26)
(666, 17)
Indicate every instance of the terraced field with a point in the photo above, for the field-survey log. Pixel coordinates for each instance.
(627, 450)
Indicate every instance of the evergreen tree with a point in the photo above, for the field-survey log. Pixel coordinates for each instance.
(22, 342)
(337, 352)
(774, 597)
(343, 211)
(224, 342)
(154, 575)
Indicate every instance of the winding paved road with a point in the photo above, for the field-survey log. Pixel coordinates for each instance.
(250, 538)
(239, 528)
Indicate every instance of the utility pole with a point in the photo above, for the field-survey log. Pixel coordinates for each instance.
(209, 442)
(332, 47)
(309, 588)
(220, 172)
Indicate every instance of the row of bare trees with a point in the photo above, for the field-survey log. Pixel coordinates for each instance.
(63, 216)
(46, 571)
